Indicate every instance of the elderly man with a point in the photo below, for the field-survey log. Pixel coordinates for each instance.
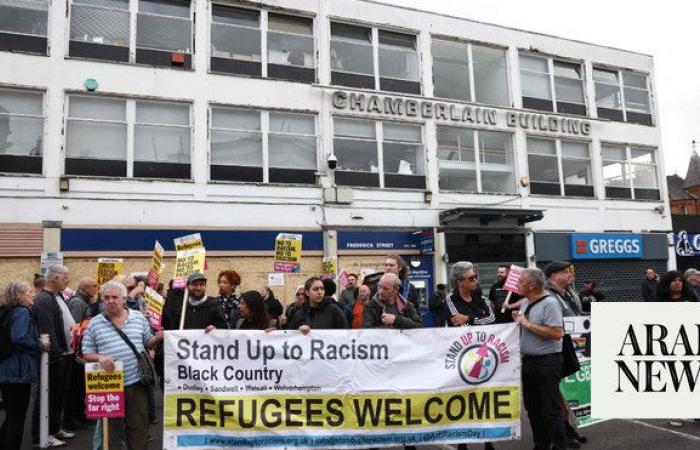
(49, 320)
(103, 344)
(542, 329)
(692, 276)
(560, 278)
(388, 309)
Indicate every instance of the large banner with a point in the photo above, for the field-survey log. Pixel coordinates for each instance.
(341, 388)
(576, 388)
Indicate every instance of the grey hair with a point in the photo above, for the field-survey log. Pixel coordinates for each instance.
(13, 293)
(690, 272)
(119, 286)
(54, 270)
(459, 271)
(535, 275)
(396, 281)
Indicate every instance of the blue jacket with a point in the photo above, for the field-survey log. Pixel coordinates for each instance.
(22, 366)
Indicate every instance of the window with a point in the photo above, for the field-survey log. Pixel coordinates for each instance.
(100, 29)
(21, 131)
(552, 85)
(630, 172)
(559, 167)
(378, 154)
(352, 59)
(23, 25)
(262, 146)
(97, 142)
(475, 160)
(622, 95)
(236, 44)
(452, 77)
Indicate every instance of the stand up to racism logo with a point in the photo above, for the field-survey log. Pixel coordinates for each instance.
(476, 355)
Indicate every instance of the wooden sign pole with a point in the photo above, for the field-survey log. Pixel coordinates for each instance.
(105, 433)
(184, 309)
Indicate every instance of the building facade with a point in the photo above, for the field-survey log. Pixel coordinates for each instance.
(362, 126)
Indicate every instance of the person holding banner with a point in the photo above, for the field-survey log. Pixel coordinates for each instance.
(542, 328)
(252, 312)
(318, 311)
(388, 308)
(105, 341)
(285, 318)
(228, 281)
(21, 367)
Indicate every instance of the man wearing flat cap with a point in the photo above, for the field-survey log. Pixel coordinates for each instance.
(202, 312)
(559, 280)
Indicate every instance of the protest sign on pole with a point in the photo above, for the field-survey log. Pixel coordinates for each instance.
(511, 284)
(576, 388)
(156, 265)
(49, 259)
(108, 268)
(374, 389)
(104, 391)
(287, 253)
(187, 263)
(329, 267)
(154, 307)
(188, 242)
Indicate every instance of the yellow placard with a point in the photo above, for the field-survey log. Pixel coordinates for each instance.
(189, 242)
(189, 262)
(157, 260)
(329, 267)
(98, 380)
(154, 301)
(287, 253)
(108, 268)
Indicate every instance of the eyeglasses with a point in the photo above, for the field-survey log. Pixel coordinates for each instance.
(471, 278)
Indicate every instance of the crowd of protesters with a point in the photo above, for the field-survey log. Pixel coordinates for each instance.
(110, 325)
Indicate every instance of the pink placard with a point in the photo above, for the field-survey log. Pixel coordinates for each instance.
(513, 279)
(104, 404)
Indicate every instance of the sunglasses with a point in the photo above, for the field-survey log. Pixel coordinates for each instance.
(471, 278)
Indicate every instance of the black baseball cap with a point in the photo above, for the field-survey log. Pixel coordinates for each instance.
(196, 277)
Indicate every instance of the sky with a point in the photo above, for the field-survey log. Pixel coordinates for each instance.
(667, 30)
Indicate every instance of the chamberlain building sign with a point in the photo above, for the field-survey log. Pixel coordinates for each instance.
(606, 246)
(427, 109)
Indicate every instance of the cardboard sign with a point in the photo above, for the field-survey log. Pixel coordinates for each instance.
(343, 278)
(513, 279)
(287, 253)
(275, 279)
(189, 242)
(329, 267)
(108, 268)
(104, 391)
(187, 263)
(48, 259)
(154, 307)
(156, 266)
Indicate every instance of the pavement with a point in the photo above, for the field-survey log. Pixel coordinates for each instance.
(607, 435)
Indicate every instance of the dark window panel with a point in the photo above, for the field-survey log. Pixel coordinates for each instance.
(98, 51)
(161, 58)
(571, 108)
(10, 42)
(20, 164)
(356, 178)
(618, 192)
(351, 32)
(537, 187)
(538, 104)
(96, 167)
(282, 72)
(299, 176)
(161, 170)
(640, 118)
(408, 87)
(647, 194)
(578, 190)
(236, 173)
(226, 65)
(404, 181)
(352, 80)
(611, 114)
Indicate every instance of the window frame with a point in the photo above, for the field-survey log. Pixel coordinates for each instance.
(411, 181)
(26, 42)
(556, 104)
(135, 54)
(477, 161)
(470, 65)
(308, 75)
(43, 134)
(384, 84)
(264, 117)
(627, 162)
(560, 167)
(620, 72)
(130, 122)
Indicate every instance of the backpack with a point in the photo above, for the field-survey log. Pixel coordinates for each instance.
(6, 346)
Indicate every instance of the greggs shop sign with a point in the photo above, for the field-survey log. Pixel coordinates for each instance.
(606, 246)
(457, 113)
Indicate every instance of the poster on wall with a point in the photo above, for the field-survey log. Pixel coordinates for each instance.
(49, 259)
(287, 253)
(108, 268)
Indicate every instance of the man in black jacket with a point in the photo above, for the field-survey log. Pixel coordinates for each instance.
(497, 295)
(649, 285)
(388, 309)
(201, 313)
(49, 320)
